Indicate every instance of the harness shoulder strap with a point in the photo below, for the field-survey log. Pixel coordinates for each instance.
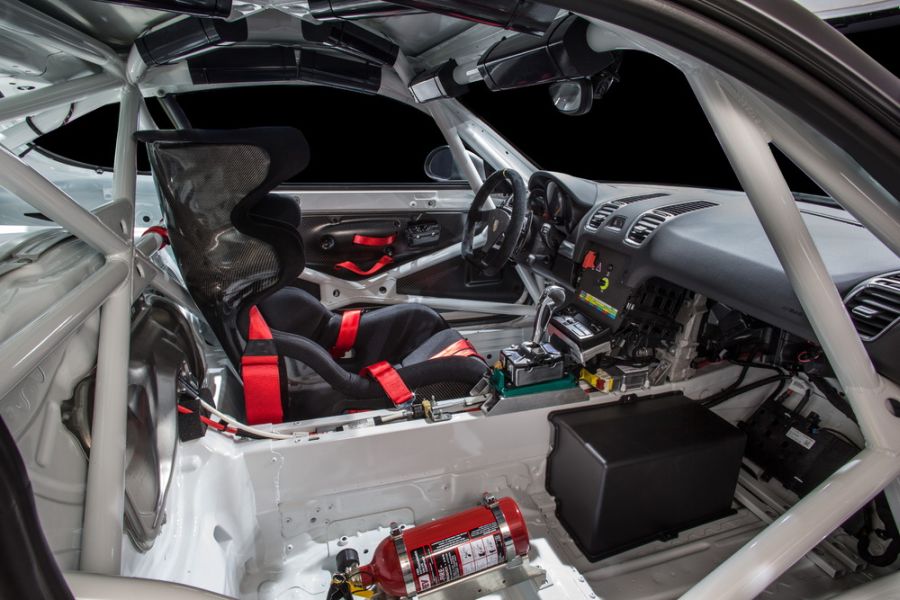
(346, 338)
(262, 378)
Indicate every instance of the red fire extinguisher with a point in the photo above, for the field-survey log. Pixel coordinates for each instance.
(427, 556)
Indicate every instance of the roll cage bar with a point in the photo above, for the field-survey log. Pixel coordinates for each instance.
(746, 123)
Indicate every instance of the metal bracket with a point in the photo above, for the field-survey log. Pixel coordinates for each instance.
(489, 581)
(502, 405)
(405, 566)
(382, 288)
(509, 547)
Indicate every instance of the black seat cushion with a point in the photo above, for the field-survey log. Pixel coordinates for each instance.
(405, 335)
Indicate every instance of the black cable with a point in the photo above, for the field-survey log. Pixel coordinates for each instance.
(728, 394)
(777, 395)
(736, 382)
(757, 365)
(33, 126)
(880, 507)
(28, 148)
(803, 401)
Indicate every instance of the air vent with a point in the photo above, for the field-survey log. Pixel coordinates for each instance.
(650, 221)
(680, 209)
(645, 226)
(610, 207)
(633, 199)
(601, 215)
(874, 306)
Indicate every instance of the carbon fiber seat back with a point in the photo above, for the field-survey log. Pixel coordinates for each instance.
(211, 184)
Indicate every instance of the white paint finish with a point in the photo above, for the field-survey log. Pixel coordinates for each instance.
(22, 352)
(48, 120)
(747, 148)
(23, 20)
(884, 588)
(59, 94)
(33, 188)
(104, 503)
(381, 288)
(86, 586)
(760, 562)
(833, 9)
(831, 168)
(373, 200)
(210, 526)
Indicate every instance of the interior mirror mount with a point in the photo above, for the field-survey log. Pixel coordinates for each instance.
(573, 97)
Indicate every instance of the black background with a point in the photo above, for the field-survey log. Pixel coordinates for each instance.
(648, 128)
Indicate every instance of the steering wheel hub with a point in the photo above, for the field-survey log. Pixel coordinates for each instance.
(504, 226)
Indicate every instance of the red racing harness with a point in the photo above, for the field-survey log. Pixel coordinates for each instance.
(346, 338)
(262, 377)
(394, 386)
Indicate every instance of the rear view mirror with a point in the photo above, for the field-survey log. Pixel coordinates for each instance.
(573, 97)
(440, 165)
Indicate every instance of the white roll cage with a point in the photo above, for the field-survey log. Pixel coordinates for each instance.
(746, 124)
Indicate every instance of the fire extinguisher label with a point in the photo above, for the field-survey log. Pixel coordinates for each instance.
(457, 556)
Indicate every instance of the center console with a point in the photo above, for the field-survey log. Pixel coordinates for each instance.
(596, 336)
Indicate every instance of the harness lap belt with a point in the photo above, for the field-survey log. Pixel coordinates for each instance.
(394, 386)
(390, 381)
(259, 369)
(458, 348)
(346, 338)
(354, 268)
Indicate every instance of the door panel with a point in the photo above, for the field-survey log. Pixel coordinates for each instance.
(333, 217)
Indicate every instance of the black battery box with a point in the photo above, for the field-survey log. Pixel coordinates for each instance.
(629, 473)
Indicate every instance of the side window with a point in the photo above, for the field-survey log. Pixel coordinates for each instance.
(353, 138)
(78, 158)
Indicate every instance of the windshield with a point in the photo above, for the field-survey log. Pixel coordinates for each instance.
(648, 128)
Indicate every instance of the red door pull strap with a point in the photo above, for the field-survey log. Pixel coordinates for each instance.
(354, 268)
(368, 240)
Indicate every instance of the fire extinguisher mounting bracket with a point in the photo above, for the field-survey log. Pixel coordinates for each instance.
(489, 581)
(490, 501)
(405, 567)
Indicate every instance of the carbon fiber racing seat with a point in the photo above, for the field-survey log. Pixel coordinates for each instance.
(240, 250)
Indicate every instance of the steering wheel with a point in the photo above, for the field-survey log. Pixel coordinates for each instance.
(505, 224)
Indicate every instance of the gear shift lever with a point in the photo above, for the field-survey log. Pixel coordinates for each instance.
(536, 361)
(550, 301)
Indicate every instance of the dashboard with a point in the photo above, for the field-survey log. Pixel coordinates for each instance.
(603, 241)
